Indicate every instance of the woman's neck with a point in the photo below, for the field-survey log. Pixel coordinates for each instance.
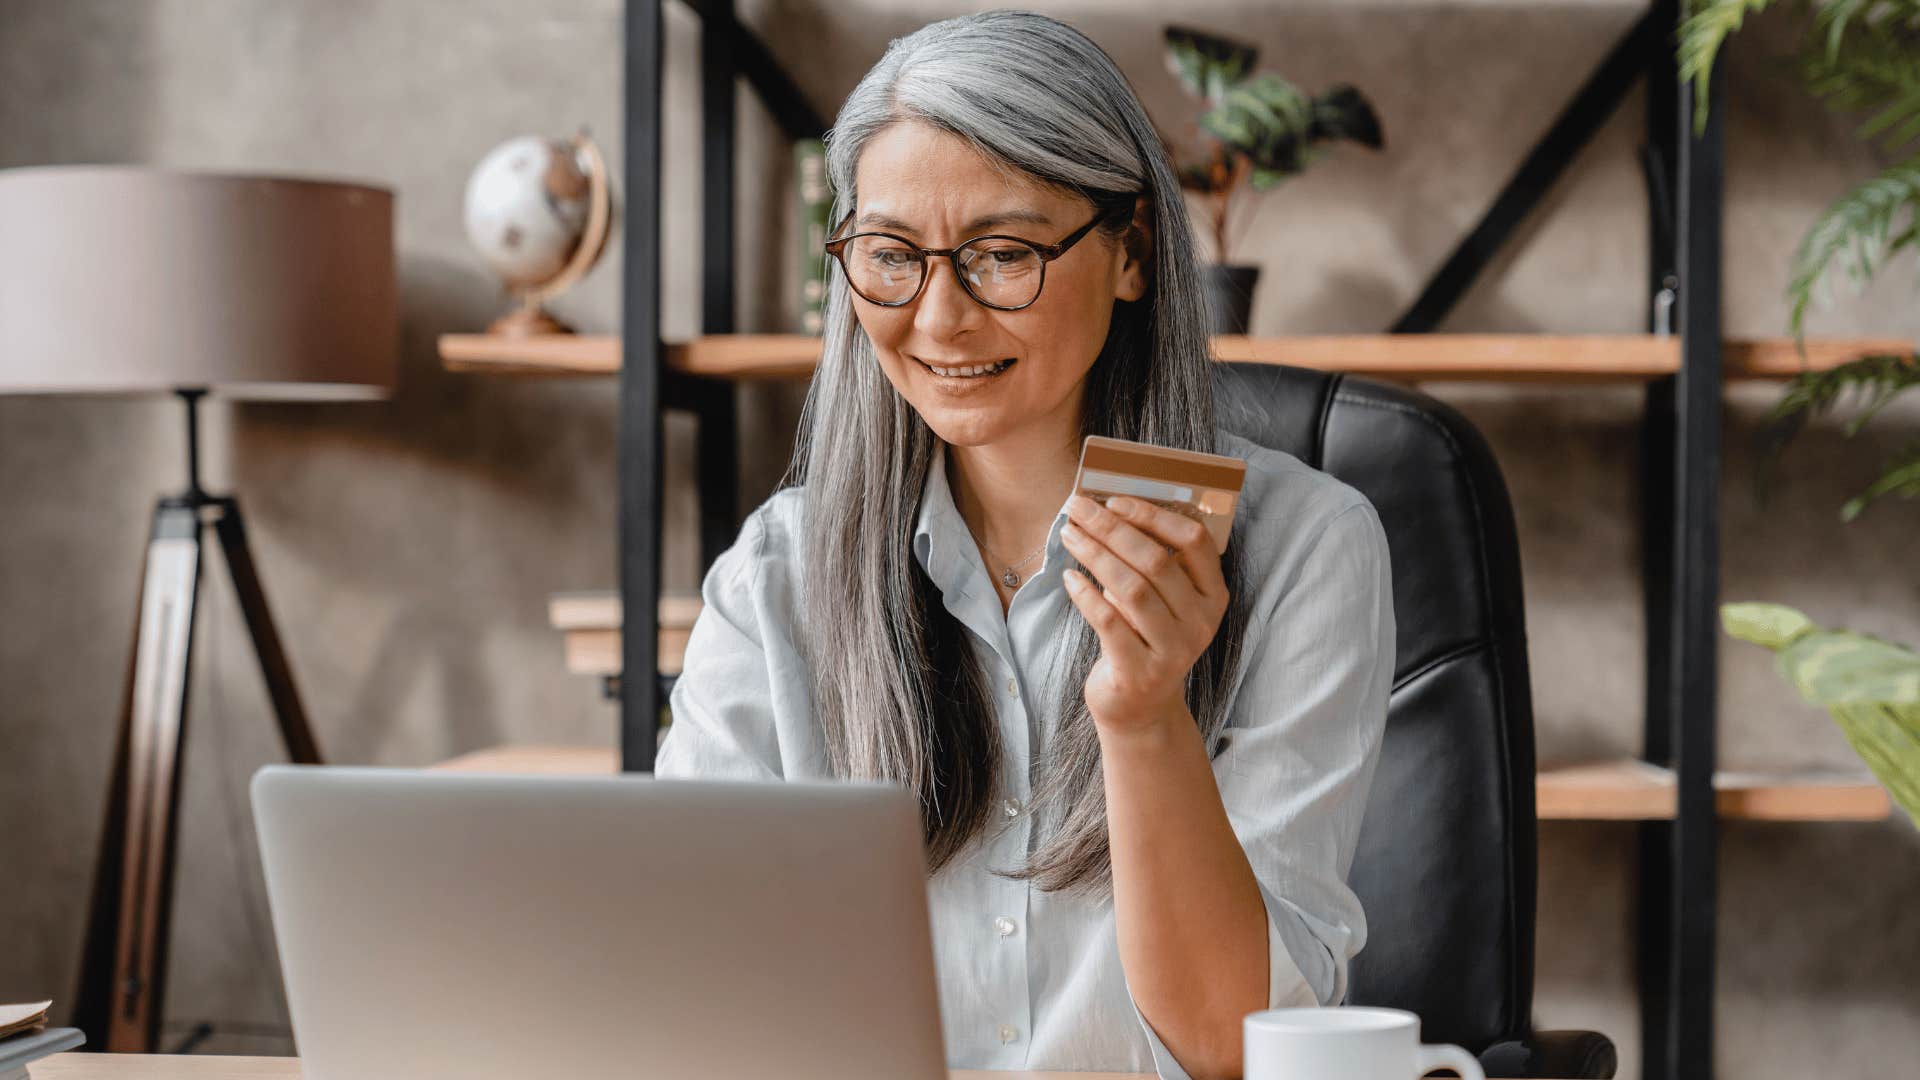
(1009, 492)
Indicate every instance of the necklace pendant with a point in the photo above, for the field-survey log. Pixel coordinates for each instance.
(1009, 578)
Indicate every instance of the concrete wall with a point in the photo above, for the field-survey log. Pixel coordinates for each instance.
(409, 546)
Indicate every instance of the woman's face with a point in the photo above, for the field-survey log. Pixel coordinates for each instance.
(933, 189)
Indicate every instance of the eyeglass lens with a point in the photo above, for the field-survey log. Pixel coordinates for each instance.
(1000, 272)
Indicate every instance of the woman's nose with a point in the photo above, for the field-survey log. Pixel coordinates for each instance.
(945, 309)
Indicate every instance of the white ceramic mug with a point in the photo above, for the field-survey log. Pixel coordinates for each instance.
(1346, 1044)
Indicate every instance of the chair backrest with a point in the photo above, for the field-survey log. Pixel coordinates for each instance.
(1446, 861)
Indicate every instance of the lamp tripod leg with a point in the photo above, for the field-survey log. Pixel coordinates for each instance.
(301, 748)
(121, 988)
(123, 971)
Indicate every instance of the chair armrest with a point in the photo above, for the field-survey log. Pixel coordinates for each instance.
(1563, 1055)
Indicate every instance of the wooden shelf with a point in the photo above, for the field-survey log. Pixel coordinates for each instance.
(543, 354)
(1409, 357)
(1625, 790)
(1776, 358)
(1633, 790)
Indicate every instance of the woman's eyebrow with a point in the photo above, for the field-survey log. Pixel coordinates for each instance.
(1021, 216)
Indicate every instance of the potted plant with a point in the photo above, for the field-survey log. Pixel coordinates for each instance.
(1856, 55)
(1262, 130)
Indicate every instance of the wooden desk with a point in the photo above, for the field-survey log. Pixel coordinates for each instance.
(194, 1067)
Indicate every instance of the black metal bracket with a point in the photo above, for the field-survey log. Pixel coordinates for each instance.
(1603, 92)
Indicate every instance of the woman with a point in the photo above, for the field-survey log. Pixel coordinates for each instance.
(1141, 767)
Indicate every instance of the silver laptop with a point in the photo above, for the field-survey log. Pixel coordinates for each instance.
(491, 927)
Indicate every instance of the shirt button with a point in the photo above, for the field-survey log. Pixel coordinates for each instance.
(1013, 688)
(1012, 808)
(1004, 926)
(1008, 1033)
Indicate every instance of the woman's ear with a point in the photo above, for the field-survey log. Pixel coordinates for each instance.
(1137, 270)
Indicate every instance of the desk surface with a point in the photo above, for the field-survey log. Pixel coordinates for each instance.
(209, 1067)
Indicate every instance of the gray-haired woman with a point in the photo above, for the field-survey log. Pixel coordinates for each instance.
(1142, 779)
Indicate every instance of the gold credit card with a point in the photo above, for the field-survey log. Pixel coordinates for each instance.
(1204, 487)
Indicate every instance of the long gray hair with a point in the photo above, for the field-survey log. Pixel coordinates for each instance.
(897, 689)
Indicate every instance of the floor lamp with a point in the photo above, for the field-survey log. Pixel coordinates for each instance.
(119, 280)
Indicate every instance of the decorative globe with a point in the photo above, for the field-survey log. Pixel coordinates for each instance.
(537, 211)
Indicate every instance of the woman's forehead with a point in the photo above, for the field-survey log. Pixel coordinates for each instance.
(912, 177)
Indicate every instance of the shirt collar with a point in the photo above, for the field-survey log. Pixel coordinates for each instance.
(945, 547)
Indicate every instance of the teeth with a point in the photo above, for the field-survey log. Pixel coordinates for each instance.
(970, 371)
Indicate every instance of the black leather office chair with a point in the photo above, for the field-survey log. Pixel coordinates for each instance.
(1446, 862)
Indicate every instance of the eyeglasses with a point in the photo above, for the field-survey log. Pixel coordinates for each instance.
(1001, 272)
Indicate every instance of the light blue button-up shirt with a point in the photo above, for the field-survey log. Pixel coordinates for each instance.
(1031, 979)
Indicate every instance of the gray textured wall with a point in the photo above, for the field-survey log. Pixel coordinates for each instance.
(409, 546)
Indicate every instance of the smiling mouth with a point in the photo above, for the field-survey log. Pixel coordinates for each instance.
(967, 371)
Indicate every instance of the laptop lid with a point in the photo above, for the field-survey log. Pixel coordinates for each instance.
(478, 927)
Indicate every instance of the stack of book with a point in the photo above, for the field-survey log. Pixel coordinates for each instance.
(591, 622)
(25, 1038)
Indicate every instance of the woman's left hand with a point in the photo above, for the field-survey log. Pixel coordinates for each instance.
(1158, 601)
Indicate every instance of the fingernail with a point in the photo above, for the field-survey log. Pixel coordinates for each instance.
(1071, 533)
(1121, 504)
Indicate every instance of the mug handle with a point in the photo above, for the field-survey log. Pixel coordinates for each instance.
(1431, 1056)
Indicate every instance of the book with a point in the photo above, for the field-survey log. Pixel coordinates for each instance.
(600, 610)
(21, 1050)
(815, 195)
(15, 1019)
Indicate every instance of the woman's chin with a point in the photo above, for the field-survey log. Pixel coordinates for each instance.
(969, 426)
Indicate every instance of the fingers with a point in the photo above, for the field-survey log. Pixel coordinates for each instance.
(1136, 595)
(1118, 638)
(1171, 550)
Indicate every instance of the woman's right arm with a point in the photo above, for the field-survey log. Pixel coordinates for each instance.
(723, 711)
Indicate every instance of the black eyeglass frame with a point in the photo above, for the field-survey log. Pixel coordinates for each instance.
(1047, 253)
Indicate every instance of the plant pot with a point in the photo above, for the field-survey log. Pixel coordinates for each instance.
(1231, 291)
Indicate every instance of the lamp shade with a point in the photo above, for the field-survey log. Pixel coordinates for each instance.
(123, 279)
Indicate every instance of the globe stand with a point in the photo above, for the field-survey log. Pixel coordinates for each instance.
(528, 320)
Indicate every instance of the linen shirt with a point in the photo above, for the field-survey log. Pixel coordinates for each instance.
(1030, 979)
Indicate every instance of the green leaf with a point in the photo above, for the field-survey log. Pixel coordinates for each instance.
(1854, 231)
(1210, 66)
(1343, 112)
(1842, 667)
(1887, 738)
(1864, 55)
(1267, 179)
(1874, 381)
(1901, 478)
(1701, 35)
(1773, 626)
(1870, 687)
(1266, 120)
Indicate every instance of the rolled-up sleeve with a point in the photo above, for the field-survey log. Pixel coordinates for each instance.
(722, 707)
(1303, 740)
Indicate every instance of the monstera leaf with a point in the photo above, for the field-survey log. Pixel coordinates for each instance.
(1870, 687)
(1210, 66)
